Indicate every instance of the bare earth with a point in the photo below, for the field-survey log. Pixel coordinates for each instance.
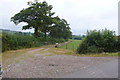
(41, 63)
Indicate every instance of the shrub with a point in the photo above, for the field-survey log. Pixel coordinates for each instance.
(14, 41)
(18, 41)
(83, 47)
(117, 45)
(94, 49)
(98, 41)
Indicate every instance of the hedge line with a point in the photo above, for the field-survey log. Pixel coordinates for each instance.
(14, 41)
(18, 41)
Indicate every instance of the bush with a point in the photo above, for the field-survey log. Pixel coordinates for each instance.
(14, 41)
(117, 45)
(18, 41)
(98, 41)
(94, 49)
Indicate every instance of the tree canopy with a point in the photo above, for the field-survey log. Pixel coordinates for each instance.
(40, 17)
(61, 29)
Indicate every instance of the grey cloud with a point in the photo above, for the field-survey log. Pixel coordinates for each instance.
(81, 15)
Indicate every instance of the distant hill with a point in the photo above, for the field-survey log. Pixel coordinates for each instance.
(14, 32)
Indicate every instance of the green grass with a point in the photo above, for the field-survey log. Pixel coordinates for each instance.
(73, 45)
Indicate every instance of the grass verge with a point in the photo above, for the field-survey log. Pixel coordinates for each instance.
(61, 51)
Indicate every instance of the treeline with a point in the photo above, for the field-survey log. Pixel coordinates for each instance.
(100, 41)
(14, 32)
(77, 37)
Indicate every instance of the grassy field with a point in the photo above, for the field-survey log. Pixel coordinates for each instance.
(73, 45)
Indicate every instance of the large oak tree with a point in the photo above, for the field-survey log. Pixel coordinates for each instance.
(37, 16)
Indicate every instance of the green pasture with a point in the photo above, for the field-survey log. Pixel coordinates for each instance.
(73, 45)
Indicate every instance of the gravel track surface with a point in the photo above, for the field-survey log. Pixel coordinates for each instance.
(43, 64)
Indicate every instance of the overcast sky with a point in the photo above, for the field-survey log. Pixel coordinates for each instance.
(82, 15)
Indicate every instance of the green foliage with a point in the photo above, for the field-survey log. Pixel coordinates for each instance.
(94, 49)
(77, 37)
(98, 41)
(117, 45)
(18, 40)
(40, 17)
(14, 41)
(37, 16)
(61, 29)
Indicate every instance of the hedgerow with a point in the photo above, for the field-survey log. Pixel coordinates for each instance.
(14, 41)
(19, 41)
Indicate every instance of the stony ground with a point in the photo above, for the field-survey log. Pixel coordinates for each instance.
(43, 63)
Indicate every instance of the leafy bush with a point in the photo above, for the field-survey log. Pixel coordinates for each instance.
(18, 41)
(14, 41)
(117, 45)
(94, 49)
(98, 41)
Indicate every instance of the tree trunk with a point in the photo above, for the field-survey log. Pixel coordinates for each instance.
(45, 34)
(36, 32)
